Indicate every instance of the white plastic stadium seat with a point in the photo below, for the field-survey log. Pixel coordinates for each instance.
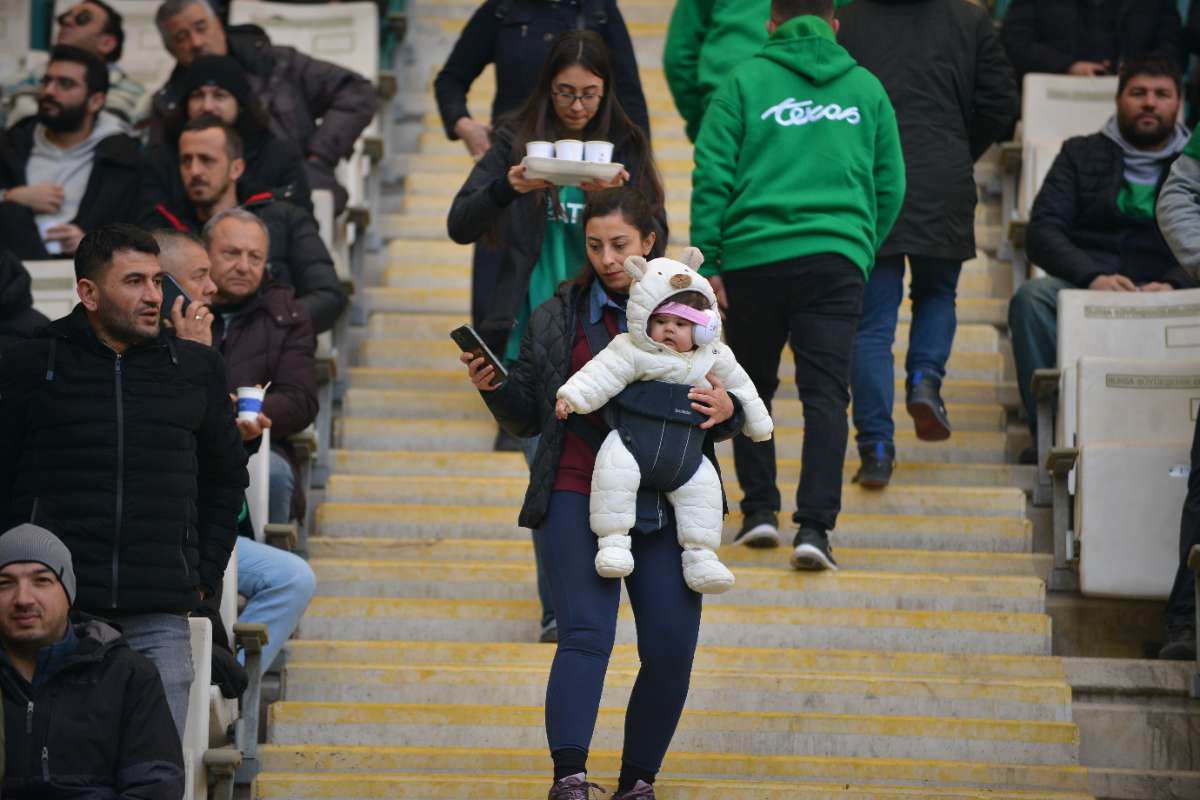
(15, 24)
(195, 737)
(258, 493)
(346, 34)
(53, 286)
(1136, 419)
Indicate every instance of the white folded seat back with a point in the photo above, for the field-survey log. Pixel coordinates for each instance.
(196, 733)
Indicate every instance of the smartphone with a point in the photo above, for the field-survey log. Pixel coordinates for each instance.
(171, 290)
(470, 342)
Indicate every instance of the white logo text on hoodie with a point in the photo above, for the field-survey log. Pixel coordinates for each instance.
(793, 112)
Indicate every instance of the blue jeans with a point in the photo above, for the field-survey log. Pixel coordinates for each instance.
(166, 640)
(277, 586)
(873, 376)
(1033, 324)
(665, 611)
(282, 484)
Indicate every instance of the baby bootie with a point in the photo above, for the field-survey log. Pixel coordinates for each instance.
(703, 572)
(614, 560)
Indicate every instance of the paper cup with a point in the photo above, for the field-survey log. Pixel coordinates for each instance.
(250, 402)
(540, 149)
(568, 149)
(598, 152)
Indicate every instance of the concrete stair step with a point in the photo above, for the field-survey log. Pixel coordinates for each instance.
(874, 531)
(725, 624)
(954, 390)
(473, 464)
(1030, 565)
(412, 325)
(437, 353)
(710, 690)
(992, 311)
(768, 733)
(376, 433)
(424, 786)
(797, 772)
(480, 578)
(460, 405)
(510, 491)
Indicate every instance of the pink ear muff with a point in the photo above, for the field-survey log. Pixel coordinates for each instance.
(706, 322)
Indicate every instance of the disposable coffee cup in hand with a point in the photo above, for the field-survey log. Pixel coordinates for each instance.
(540, 149)
(598, 152)
(250, 402)
(569, 149)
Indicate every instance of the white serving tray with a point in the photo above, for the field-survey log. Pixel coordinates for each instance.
(562, 172)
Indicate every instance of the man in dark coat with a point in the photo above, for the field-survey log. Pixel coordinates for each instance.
(320, 106)
(85, 715)
(1089, 37)
(210, 163)
(950, 109)
(1092, 225)
(120, 439)
(18, 318)
(70, 169)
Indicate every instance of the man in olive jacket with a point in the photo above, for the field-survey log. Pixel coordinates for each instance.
(120, 438)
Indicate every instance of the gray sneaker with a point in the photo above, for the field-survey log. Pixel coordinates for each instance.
(573, 787)
(640, 791)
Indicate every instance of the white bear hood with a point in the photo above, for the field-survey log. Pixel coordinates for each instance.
(655, 282)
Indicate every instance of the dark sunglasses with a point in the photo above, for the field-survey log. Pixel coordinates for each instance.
(79, 20)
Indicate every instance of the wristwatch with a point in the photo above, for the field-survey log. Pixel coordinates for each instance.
(3, 194)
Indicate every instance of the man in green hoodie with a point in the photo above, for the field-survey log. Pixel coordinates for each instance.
(799, 178)
(705, 40)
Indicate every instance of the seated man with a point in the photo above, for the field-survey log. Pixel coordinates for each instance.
(18, 318)
(277, 585)
(71, 168)
(321, 107)
(78, 693)
(93, 26)
(210, 163)
(1092, 225)
(1089, 37)
(217, 85)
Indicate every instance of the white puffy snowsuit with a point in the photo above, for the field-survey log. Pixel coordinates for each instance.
(632, 357)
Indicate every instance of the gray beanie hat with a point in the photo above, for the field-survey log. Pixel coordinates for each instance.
(29, 542)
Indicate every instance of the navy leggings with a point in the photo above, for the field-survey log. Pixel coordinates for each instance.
(667, 615)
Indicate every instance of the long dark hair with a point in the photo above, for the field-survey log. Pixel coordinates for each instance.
(536, 120)
(631, 204)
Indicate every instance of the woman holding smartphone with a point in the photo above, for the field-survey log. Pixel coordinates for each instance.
(618, 223)
(538, 225)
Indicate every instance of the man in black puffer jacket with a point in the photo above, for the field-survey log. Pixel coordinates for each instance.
(121, 440)
(85, 715)
(1089, 37)
(1093, 224)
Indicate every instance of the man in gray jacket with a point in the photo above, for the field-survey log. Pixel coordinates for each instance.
(320, 106)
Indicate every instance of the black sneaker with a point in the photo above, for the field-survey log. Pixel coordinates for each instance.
(760, 529)
(878, 461)
(812, 550)
(1181, 644)
(925, 406)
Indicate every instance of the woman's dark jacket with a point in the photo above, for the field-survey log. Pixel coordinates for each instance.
(272, 165)
(516, 36)
(94, 725)
(524, 404)
(1051, 35)
(1076, 230)
(133, 460)
(488, 202)
(18, 319)
(953, 90)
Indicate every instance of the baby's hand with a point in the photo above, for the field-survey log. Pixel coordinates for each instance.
(562, 409)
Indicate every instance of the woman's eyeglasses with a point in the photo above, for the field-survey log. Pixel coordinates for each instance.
(567, 99)
(80, 19)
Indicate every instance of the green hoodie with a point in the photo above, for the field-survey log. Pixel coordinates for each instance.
(707, 39)
(776, 181)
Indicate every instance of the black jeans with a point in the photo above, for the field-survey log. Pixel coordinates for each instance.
(814, 302)
(1181, 605)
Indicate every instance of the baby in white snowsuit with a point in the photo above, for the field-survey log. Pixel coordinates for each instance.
(659, 348)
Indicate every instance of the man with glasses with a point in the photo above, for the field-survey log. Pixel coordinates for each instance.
(70, 169)
(95, 27)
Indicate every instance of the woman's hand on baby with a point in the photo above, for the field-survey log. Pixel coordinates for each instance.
(714, 402)
(562, 409)
(482, 373)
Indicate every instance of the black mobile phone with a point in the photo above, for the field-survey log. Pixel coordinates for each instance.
(171, 289)
(470, 342)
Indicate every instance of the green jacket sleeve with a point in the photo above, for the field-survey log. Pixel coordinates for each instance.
(690, 23)
(890, 182)
(718, 150)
